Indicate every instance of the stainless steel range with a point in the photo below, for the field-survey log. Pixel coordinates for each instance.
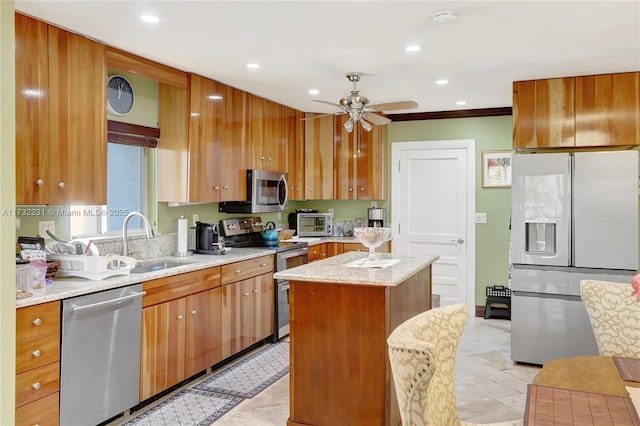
(247, 232)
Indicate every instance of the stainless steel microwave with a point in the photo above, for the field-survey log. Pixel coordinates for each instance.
(315, 224)
(267, 191)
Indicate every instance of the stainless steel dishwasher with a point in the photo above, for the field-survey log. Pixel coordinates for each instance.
(100, 361)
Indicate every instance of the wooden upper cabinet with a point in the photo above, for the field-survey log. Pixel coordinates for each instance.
(543, 113)
(266, 135)
(173, 144)
(295, 153)
(202, 142)
(77, 119)
(608, 109)
(318, 158)
(61, 116)
(32, 111)
(359, 162)
(205, 138)
(233, 151)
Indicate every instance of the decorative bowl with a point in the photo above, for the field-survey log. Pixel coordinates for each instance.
(372, 237)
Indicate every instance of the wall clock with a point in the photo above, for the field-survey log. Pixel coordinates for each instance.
(120, 95)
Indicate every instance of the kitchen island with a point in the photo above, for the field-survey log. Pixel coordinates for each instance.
(341, 317)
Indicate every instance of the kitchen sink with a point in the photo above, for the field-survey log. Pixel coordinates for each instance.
(157, 266)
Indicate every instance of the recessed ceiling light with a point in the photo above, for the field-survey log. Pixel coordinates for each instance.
(151, 19)
(461, 103)
(412, 48)
(314, 91)
(444, 16)
(214, 97)
(253, 66)
(442, 82)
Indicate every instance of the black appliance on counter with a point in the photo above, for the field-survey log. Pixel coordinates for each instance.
(247, 232)
(293, 218)
(207, 239)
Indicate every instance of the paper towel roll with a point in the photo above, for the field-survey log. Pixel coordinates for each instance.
(182, 235)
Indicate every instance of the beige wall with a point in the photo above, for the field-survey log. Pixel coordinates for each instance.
(7, 220)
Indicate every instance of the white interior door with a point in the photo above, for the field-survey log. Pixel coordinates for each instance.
(432, 210)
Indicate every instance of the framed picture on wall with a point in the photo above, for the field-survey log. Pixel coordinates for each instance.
(496, 169)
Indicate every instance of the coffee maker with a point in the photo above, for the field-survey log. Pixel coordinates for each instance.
(377, 217)
(207, 238)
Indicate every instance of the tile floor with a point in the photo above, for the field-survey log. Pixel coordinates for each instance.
(490, 387)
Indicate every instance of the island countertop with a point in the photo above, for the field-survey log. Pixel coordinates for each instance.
(335, 270)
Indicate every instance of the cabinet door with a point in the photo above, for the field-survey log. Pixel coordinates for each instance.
(77, 119)
(203, 331)
(32, 111)
(371, 175)
(236, 317)
(205, 138)
(334, 249)
(317, 252)
(295, 153)
(233, 154)
(608, 109)
(162, 358)
(318, 158)
(173, 145)
(345, 160)
(274, 145)
(262, 305)
(543, 113)
(255, 125)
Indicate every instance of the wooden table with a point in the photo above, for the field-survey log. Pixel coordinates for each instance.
(580, 391)
(340, 320)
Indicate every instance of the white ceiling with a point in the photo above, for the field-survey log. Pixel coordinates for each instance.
(312, 44)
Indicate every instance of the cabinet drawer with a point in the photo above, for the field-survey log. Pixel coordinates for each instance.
(176, 286)
(37, 351)
(37, 320)
(43, 412)
(37, 383)
(246, 269)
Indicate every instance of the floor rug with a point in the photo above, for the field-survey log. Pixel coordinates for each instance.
(251, 375)
(208, 400)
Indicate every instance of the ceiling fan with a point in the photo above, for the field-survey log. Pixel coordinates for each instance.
(359, 110)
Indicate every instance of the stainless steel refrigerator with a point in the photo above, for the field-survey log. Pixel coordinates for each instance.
(574, 216)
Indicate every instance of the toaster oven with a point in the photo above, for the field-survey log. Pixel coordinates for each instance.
(314, 224)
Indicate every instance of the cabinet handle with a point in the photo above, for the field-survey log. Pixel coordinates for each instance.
(246, 294)
(61, 185)
(37, 322)
(225, 187)
(269, 158)
(180, 317)
(361, 189)
(310, 189)
(36, 353)
(255, 290)
(39, 182)
(194, 312)
(262, 158)
(263, 264)
(237, 271)
(36, 385)
(324, 254)
(216, 187)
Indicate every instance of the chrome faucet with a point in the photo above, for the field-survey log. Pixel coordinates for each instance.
(147, 226)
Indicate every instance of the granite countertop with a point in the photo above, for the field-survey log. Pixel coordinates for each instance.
(335, 270)
(63, 288)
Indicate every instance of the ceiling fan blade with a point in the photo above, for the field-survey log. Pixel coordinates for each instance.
(329, 103)
(376, 119)
(394, 105)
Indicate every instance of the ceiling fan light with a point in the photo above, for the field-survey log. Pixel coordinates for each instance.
(348, 125)
(366, 125)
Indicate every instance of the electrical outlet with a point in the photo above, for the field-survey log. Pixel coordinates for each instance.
(481, 218)
(374, 204)
(44, 226)
(330, 211)
(195, 219)
(279, 215)
(17, 223)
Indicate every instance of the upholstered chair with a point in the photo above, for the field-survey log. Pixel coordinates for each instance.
(422, 351)
(615, 317)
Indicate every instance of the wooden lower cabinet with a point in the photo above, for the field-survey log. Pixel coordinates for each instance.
(318, 252)
(180, 336)
(326, 250)
(247, 313)
(38, 364)
(384, 248)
